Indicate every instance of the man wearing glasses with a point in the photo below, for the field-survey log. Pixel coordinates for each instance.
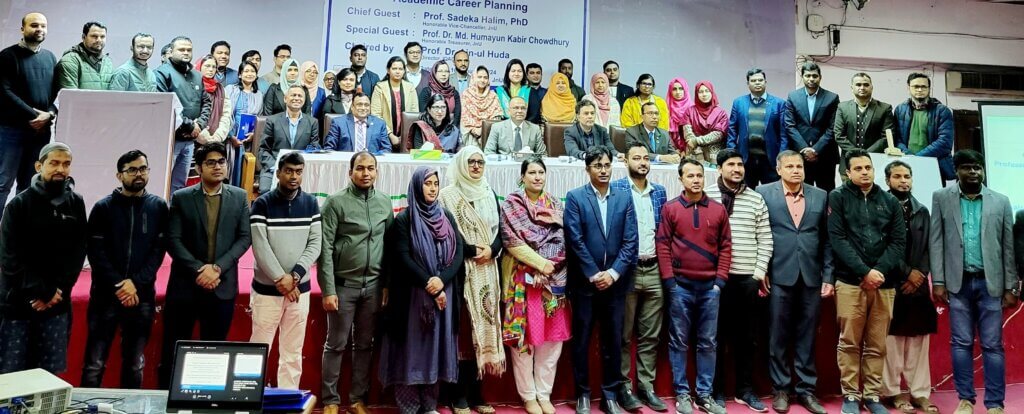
(127, 231)
(514, 134)
(207, 234)
(925, 126)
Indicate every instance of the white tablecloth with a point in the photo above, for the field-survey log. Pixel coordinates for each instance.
(326, 174)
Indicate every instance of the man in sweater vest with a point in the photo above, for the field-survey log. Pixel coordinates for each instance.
(741, 299)
(757, 129)
(694, 246)
(286, 235)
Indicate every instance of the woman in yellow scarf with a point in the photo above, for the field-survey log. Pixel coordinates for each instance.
(558, 105)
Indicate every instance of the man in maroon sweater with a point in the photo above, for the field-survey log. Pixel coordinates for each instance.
(694, 247)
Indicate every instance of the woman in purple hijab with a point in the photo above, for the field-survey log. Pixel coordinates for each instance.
(420, 345)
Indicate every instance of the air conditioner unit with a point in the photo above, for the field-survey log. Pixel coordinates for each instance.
(986, 83)
(33, 391)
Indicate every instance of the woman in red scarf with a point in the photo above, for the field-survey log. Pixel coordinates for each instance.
(704, 124)
(678, 100)
(220, 117)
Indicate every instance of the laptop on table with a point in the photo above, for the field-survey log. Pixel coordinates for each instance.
(217, 377)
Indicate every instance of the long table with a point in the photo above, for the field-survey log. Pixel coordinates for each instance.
(326, 173)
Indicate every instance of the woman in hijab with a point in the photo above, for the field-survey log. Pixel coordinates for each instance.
(608, 109)
(631, 108)
(438, 84)
(536, 312)
(479, 103)
(329, 80)
(219, 125)
(420, 344)
(474, 205)
(340, 101)
(391, 97)
(558, 105)
(678, 99)
(435, 125)
(246, 98)
(273, 101)
(704, 124)
(317, 95)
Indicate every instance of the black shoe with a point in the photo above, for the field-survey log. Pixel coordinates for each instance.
(651, 400)
(611, 407)
(583, 404)
(781, 402)
(629, 401)
(719, 399)
(811, 404)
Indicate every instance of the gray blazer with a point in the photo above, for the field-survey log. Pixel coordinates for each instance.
(503, 137)
(946, 241)
(1018, 241)
(275, 138)
(576, 145)
(800, 252)
(187, 245)
(638, 133)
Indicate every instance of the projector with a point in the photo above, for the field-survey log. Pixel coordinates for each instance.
(38, 390)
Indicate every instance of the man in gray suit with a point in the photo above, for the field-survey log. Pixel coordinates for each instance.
(1018, 241)
(657, 140)
(287, 130)
(801, 275)
(512, 134)
(207, 234)
(973, 271)
(862, 121)
(810, 114)
(585, 134)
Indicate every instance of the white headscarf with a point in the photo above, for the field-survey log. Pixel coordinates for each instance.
(476, 191)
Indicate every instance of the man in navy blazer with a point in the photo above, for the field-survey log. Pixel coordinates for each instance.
(800, 274)
(343, 134)
(810, 112)
(757, 129)
(601, 233)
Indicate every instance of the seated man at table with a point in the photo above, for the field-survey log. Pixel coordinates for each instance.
(585, 134)
(358, 131)
(656, 139)
(288, 130)
(512, 134)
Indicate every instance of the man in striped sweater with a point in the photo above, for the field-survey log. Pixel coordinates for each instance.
(286, 239)
(741, 299)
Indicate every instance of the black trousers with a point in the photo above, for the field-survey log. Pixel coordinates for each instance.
(738, 317)
(759, 171)
(609, 312)
(181, 313)
(104, 317)
(821, 173)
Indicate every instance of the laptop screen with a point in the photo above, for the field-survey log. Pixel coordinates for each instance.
(218, 375)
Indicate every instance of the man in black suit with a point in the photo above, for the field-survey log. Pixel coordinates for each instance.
(584, 134)
(801, 275)
(810, 113)
(621, 91)
(278, 134)
(862, 121)
(207, 234)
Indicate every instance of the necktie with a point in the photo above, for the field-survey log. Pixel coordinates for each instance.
(360, 136)
(654, 142)
(519, 141)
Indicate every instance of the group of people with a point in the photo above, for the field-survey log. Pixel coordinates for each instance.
(477, 280)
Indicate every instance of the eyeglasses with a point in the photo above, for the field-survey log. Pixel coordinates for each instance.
(438, 108)
(478, 163)
(216, 162)
(597, 166)
(133, 171)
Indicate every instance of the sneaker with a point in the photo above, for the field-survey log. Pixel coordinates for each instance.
(719, 399)
(752, 402)
(995, 410)
(708, 405)
(683, 404)
(850, 406)
(874, 406)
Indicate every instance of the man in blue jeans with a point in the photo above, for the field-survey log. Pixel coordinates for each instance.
(694, 245)
(973, 271)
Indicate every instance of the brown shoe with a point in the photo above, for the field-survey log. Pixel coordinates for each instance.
(532, 407)
(331, 409)
(925, 405)
(902, 402)
(546, 407)
(357, 408)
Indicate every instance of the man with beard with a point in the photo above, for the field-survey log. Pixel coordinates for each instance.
(741, 302)
(365, 78)
(645, 302)
(286, 233)
(565, 68)
(135, 74)
(85, 66)
(862, 121)
(925, 125)
(208, 233)
(461, 78)
(973, 271)
(26, 104)
(281, 54)
(42, 239)
(620, 91)
(221, 52)
(534, 76)
(127, 243)
(177, 75)
(810, 112)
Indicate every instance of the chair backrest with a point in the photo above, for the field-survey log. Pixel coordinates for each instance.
(257, 136)
(554, 138)
(618, 136)
(485, 131)
(328, 120)
(408, 118)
